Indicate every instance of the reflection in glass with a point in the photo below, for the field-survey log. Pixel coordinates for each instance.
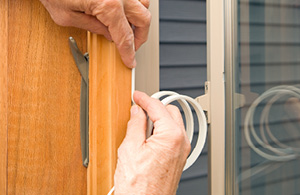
(268, 75)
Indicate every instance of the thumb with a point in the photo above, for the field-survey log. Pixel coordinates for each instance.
(136, 127)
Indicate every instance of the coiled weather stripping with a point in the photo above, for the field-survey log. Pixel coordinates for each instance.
(283, 152)
(184, 101)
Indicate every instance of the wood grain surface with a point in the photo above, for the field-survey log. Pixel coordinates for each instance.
(44, 155)
(110, 86)
(3, 95)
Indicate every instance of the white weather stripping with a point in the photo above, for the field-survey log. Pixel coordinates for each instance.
(183, 101)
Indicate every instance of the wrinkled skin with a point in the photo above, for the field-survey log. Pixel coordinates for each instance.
(111, 18)
(154, 165)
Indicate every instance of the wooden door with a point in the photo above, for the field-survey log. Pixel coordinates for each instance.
(39, 103)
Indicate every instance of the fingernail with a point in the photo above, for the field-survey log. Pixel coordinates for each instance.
(134, 110)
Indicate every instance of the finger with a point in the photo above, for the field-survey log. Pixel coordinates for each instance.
(87, 22)
(154, 108)
(124, 42)
(136, 127)
(139, 16)
(176, 115)
(111, 14)
(140, 37)
(74, 5)
(145, 3)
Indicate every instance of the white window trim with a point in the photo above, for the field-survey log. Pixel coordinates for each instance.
(147, 57)
(215, 76)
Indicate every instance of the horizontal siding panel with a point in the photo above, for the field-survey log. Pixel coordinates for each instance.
(285, 132)
(174, 78)
(278, 181)
(249, 158)
(286, 139)
(249, 98)
(279, 112)
(268, 168)
(182, 54)
(277, 115)
(182, 32)
(263, 64)
(197, 186)
(191, 91)
(283, 129)
(182, 10)
(269, 54)
(270, 3)
(286, 187)
(276, 73)
(269, 15)
(269, 34)
(198, 169)
(260, 87)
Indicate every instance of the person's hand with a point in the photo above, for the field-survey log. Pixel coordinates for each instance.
(111, 18)
(154, 165)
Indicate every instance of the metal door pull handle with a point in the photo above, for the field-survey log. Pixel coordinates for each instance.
(82, 62)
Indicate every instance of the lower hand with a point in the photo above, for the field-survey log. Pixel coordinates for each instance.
(154, 165)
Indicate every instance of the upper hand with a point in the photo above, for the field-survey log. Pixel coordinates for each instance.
(111, 18)
(154, 165)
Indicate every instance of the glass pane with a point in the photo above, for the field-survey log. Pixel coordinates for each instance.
(267, 126)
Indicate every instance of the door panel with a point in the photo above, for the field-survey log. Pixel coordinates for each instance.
(3, 95)
(44, 155)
